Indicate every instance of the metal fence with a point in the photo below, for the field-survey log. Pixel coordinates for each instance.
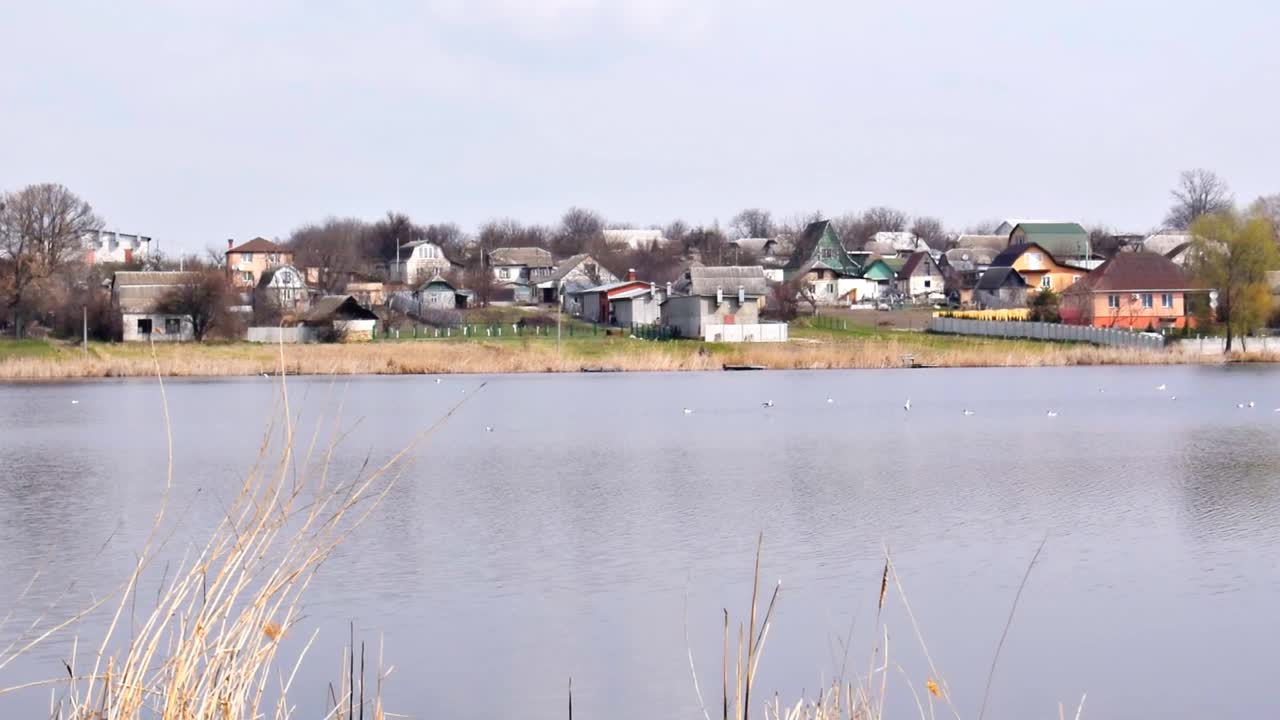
(1046, 331)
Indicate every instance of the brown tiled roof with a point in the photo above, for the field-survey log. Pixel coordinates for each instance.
(257, 245)
(1132, 272)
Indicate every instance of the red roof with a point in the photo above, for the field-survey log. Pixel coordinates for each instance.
(257, 245)
(1135, 271)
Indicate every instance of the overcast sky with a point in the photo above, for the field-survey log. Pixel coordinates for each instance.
(200, 121)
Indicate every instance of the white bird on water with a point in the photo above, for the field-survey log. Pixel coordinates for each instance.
(1240, 405)
(1250, 403)
(266, 376)
(1173, 397)
(767, 403)
(907, 406)
(830, 400)
(438, 381)
(1051, 414)
(488, 428)
(968, 412)
(1161, 386)
(75, 402)
(688, 411)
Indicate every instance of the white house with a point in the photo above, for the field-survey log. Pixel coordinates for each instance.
(136, 294)
(639, 306)
(571, 275)
(635, 238)
(103, 246)
(515, 264)
(920, 276)
(284, 287)
(721, 304)
(420, 260)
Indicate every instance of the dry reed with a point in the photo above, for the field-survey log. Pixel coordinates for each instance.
(540, 355)
(208, 648)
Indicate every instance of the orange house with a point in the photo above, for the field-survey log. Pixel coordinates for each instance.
(1038, 267)
(1132, 290)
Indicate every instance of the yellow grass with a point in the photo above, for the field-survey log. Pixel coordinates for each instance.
(811, 350)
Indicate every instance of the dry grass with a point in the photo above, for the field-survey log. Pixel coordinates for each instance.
(208, 648)
(812, 350)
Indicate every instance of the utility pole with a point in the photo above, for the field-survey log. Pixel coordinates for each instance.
(85, 327)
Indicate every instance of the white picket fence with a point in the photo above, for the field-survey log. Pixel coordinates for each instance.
(1046, 331)
(275, 334)
(755, 332)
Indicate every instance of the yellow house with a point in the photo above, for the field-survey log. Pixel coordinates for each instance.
(1038, 267)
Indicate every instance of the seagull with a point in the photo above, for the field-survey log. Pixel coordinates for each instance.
(1239, 405)
(75, 402)
(266, 376)
(438, 381)
(488, 428)
(1173, 397)
(1161, 386)
(688, 411)
(907, 406)
(1051, 414)
(1250, 403)
(830, 400)
(767, 403)
(968, 412)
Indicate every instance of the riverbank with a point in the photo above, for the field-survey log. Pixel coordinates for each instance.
(810, 348)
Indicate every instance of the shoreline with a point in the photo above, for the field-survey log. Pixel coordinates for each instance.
(539, 355)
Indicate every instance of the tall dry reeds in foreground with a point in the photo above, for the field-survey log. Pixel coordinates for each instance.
(850, 695)
(209, 646)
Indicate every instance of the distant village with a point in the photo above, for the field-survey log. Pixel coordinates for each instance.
(345, 281)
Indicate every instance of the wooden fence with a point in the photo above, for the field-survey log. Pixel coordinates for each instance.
(1046, 331)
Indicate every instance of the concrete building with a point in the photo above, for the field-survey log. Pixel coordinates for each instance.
(105, 246)
(136, 295)
(247, 262)
(638, 306)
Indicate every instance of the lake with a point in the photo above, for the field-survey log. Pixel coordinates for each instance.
(571, 539)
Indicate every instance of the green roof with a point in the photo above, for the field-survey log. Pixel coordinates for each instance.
(1064, 241)
(828, 252)
(880, 269)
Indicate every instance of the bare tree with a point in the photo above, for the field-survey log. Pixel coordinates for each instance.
(1199, 192)
(984, 227)
(204, 296)
(389, 234)
(580, 230)
(334, 248)
(42, 228)
(707, 243)
(930, 230)
(752, 223)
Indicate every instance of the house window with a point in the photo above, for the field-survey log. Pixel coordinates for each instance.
(1166, 300)
(1113, 301)
(928, 284)
(831, 288)
(172, 326)
(1146, 300)
(144, 326)
(1046, 282)
(827, 253)
(246, 276)
(504, 273)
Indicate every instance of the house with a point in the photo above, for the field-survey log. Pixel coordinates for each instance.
(420, 260)
(340, 318)
(1066, 241)
(821, 264)
(439, 294)
(247, 262)
(512, 264)
(1163, 243)
(575, 273)
(901, 243)
(920, 276)
(593, 303)
(709, 297)
(283, 288)
(367, 291)
(1000, 288)
(881, 275)
(1131, 290)
(135, 295)
(103, 246)
(635, 238)
(994, 243)
(1038, 267)
(637, 306)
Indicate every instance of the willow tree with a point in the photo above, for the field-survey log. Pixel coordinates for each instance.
(1232, 255)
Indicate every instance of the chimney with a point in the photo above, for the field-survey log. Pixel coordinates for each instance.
(653, 290)
(668, 289)
(230, 243)
(631, 273)
(742, 295)
(719, 295)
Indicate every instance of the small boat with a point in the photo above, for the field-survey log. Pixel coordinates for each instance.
(745, 367)
(601, 369)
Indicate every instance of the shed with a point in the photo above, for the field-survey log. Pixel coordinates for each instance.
(348, 320)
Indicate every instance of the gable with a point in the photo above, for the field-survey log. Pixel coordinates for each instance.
(827, 252)
(879, 270)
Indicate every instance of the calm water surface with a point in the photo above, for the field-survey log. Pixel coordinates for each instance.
(566, 542)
